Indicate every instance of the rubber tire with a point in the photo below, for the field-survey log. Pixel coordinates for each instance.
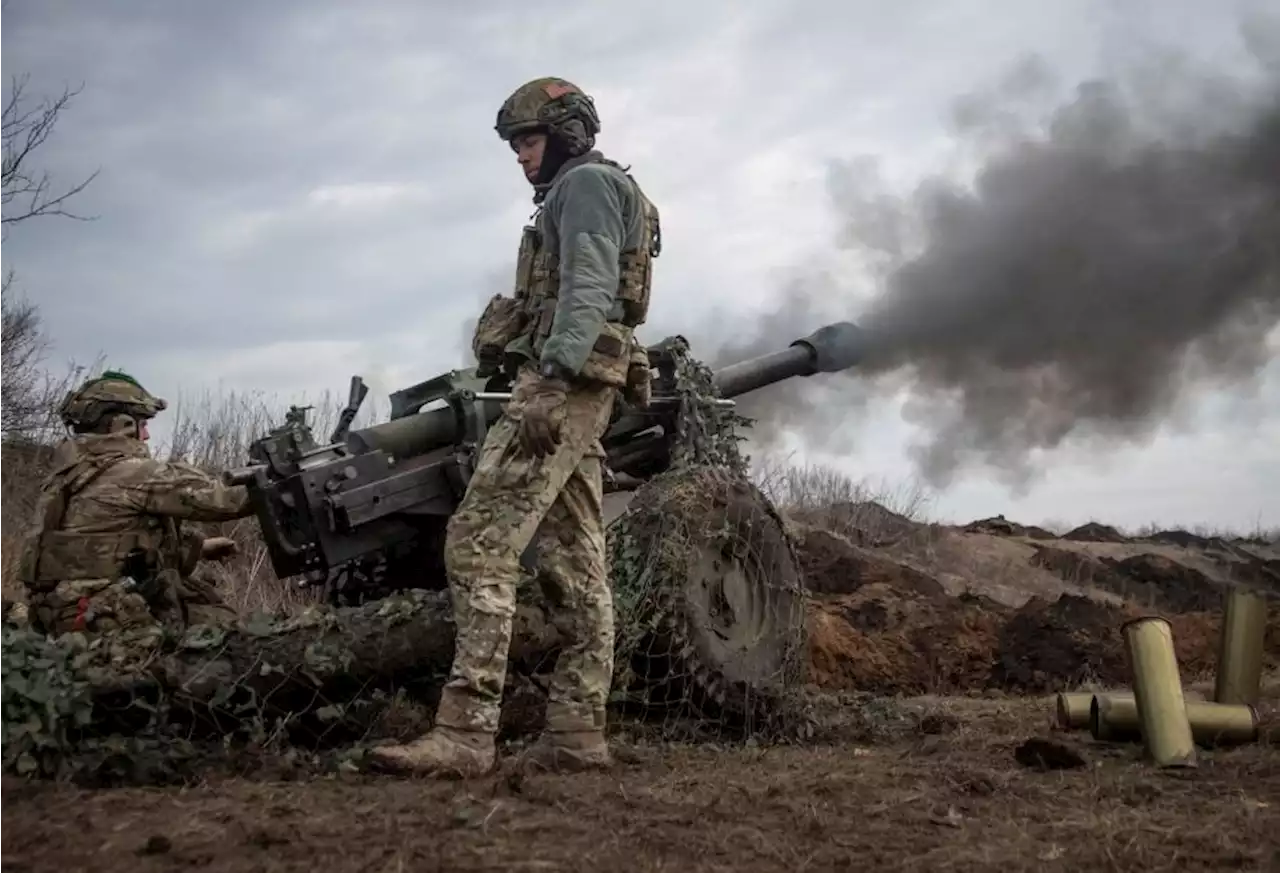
(732, 686)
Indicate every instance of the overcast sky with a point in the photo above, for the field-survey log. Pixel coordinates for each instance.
(293, 192)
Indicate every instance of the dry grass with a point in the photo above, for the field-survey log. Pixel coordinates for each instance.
(941, 790)
(866, 512)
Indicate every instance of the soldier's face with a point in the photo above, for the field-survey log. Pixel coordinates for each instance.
(529, 148)
(143, 433)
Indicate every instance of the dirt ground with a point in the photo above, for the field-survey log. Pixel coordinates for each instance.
(947, 794)
(985, 621)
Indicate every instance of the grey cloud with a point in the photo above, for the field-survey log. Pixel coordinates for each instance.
(207, 121)
(216, 124)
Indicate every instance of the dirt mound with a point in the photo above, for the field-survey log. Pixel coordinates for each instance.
(1093, 532)
(1049, 646)
(864, 523)
(1078, 568)
(888, 641)
(1150, 580)
(1159, 582)
(1182, 539)
(832, 564)
(1000, 526)
(1263, 573)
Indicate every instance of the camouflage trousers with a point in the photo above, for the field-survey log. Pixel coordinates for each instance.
(555, 502)
(94, 606)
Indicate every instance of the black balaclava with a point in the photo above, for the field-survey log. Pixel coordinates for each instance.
(553, 158)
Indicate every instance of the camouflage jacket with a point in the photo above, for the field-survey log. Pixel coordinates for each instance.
(107, 503)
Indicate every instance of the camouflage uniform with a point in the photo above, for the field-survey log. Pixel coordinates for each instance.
(107, 550)
(567, 336)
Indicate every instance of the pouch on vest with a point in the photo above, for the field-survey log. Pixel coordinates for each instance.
(67, 556)
(638, 392)
(502, 321)
(635, 273)
(530, 243)
(610, 358)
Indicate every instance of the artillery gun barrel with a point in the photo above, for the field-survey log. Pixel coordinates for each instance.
(414, 434)
(828, 349)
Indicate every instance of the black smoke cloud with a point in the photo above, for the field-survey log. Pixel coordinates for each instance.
(1097, 275)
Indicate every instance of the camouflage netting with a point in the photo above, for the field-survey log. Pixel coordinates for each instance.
(709, 613)
(319, 680)
(707, 586)
(45, 702)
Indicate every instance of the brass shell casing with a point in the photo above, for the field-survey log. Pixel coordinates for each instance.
(1157, 691)
(1114, 718)
(1075, 709)
(1240, 647)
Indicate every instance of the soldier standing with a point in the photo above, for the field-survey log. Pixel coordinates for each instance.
(567, 335)
(108, 550)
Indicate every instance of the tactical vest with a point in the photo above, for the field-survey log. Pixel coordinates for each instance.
(51, 554)
(530, 314)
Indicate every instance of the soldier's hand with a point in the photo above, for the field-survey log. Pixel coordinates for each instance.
(218, 548)
(543, 417)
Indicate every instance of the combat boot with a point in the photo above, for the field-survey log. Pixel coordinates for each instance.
(445, 751)
(570, 744)
(458, 746)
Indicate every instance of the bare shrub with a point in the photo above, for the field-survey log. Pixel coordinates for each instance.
(868, 512)
(29, 394)
(29, 192)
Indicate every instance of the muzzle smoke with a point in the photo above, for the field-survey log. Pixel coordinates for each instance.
(1097, 275)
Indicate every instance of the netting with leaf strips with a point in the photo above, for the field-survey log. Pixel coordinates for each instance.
(709, 611)
(708, 598)
(151, 705)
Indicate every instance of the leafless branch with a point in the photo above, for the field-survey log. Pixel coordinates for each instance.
(29, 192)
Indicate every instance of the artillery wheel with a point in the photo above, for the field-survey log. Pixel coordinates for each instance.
(710, 598)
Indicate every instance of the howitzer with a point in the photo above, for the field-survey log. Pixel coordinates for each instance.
(367, 511)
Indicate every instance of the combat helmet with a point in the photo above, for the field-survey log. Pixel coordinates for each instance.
(552, 106)
(108, 403)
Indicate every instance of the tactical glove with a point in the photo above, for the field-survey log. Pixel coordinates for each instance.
(543, 417)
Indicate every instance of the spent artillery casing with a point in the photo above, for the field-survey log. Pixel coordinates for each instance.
(1075, 709)
(1157, 692)
(1114, 718)
(1244, 625)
